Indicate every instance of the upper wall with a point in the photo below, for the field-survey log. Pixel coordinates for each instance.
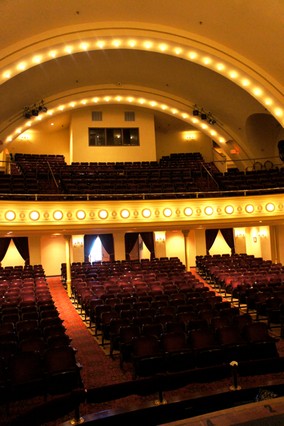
(73, 142)
(184, 141)
(43, 142)
(112, 116)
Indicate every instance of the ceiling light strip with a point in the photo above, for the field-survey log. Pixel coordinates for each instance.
(235, 73)
(219, 136)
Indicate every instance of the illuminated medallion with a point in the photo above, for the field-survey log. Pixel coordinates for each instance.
(103, 214)
(80, 214)
(58, 215)
(146, 213)
(229, 209)
(208, 210)
(270, 207)
(188, 211)
(167, 212)
(10, 215)
(34, 215)
(249, 208)
(125, 213)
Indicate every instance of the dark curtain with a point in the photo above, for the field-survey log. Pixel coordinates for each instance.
(210, 235)
(4, 244)
(107, 242)
(22, 245)
(130, 240)
(148, 240)
(88, 244)
(229, 238)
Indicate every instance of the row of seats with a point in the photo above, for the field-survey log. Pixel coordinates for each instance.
(180, 175)
(22, 286)
(173, 323)
(256, 283)
(177, 351)
(29, 374)
(36, 355)
(127, 271)
(229, 271)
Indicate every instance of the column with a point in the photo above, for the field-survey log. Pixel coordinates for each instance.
(185, 235)
(119, 245)
(68, 263)
(274, 242)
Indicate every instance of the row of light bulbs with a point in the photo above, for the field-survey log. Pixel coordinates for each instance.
(146, 213)
(124, 42)
(218, 136)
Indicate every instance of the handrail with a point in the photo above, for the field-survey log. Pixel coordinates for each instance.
(138, 196)
(158, 411)
(211, 176)
(225, 160)
(52, 174)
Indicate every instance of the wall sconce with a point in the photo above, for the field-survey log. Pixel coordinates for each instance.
(160, 237)
(240, 234)
(25, 137)
(262, 234)
(189, 136)
(254, 239)
(77, 243)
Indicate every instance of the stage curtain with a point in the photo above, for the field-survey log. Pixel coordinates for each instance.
(22, 244)
(129, 242)
(107, 242)
(148, 240)
(88, 244)
(229, 238)
(210, 236)
(4, 244)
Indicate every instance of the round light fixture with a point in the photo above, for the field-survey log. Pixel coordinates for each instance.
(249, 208)
(103, 214)
(270, 207)
(146, 213)
(208, 210)
(34, 215)
(10, 215)
(125, 213)
(188, 211)
(80, 214)
(58, 215)
(229, 209)
(167, 212)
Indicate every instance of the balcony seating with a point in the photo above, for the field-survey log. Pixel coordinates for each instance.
(178, 175)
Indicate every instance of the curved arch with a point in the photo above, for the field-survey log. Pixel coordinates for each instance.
(140, 97)
(161, 40)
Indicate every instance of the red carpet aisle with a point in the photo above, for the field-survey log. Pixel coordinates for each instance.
(98, 369)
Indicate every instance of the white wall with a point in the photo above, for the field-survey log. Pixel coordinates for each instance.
(173, 142)
(113, 116)
(53, 253)
(175, 245)
(279, 238)
(55, 143)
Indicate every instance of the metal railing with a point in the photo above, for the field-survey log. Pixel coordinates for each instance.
(138, 196)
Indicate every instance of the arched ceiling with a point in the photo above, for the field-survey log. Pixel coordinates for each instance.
(237, 72)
